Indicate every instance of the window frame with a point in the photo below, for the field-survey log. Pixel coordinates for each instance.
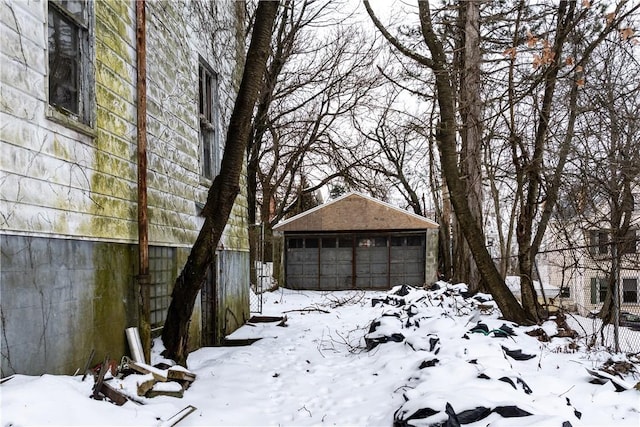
(85, 119)
(629, 281)
(599, 242)
(598, 289)
(208, 129)
(630, 244)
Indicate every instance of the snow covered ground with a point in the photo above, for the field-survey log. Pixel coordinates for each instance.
(412, 358)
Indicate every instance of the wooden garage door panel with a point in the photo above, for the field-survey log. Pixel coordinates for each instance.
(372, 266)
(407, 265)
(335, 268)
(302, 268)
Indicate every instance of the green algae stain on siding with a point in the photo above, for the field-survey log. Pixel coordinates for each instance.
(60, 150)
(113, 189)
(112, 299)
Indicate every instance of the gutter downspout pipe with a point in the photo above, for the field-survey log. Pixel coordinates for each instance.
(144, 307)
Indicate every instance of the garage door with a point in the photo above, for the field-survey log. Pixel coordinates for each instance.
(372, 263)
(381, 261)
(336, 254)
(407, 260)
(302, 263)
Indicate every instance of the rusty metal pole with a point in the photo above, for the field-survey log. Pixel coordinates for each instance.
(143, 223)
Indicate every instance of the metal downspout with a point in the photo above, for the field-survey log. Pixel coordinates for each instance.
(143, 224)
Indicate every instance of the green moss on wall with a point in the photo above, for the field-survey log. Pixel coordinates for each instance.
(113, 182)
(112, 306)
(60, 150)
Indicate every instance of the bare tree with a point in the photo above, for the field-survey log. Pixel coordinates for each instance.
(397, 149)
(223, 191)
(605, 170)
(467, 59)
(541, 116)
(439, 63)
(320, 74)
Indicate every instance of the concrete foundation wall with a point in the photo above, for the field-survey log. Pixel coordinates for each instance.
(60, 299)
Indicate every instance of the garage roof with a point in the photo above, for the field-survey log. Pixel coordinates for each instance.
(355, 211)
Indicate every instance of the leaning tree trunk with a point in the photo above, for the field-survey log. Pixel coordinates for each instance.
(224, 190)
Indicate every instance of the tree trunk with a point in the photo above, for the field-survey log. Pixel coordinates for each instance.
(224, 190)
(468, 66)
(444, 233)
(533, 172)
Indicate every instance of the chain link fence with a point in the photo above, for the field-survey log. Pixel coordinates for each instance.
(601, 293)
(266, 283)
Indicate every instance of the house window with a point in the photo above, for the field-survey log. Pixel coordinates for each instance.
(345, 242)
(565, 292)
(598, 289)
(598, 242)
(630, 244)
(630, 290)
(415, 240)
(70, 59)
(207, 99)
(398, 241)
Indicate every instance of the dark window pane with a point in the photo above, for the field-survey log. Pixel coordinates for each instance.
(603, 243)
(329, 242)
(64, 62)
(206, 89)
(380, 242)
(206, 143)
(397, 241)
(593, 241)
(294, 243)
(415, 240)
(630, 290)
(201, 90)
(603, 290)
(311, 243)
(345, 242)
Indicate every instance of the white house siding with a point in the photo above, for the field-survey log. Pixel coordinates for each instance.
(177, 34)
(568, 262)
(68, 205)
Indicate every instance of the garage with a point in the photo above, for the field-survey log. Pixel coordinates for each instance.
(357, 242)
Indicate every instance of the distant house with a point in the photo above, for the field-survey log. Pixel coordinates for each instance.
(578, 258)
(357, 242)
(69, 172)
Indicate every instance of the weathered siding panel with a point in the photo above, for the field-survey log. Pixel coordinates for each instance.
(179, 34)
(68, 208)
(64, 182)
